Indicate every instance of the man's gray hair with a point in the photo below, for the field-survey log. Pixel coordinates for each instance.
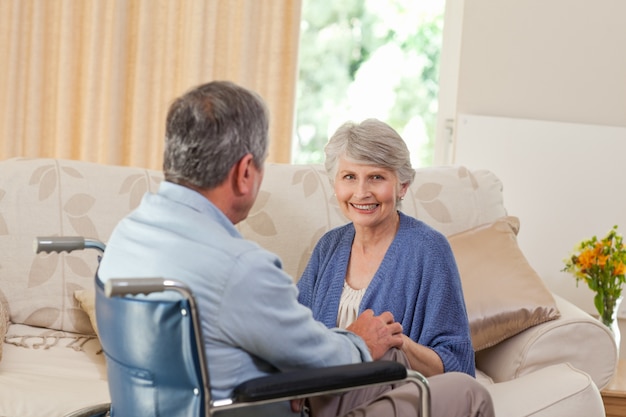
(209, 129)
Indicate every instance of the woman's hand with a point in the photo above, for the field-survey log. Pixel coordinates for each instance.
(422, 358)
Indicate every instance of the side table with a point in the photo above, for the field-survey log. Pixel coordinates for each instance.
(614, 394)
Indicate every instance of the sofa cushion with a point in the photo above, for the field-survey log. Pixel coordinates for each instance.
(454, 198)
(555, 390)
(503, 293)
(4, 324)
(56, 197)
(50, 373)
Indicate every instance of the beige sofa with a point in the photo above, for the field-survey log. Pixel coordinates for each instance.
(537, 353)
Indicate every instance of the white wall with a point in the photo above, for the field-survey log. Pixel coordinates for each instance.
(558, 61)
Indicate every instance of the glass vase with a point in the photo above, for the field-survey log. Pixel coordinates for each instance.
(609, 317)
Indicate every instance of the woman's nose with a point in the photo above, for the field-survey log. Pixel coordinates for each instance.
(362, 189)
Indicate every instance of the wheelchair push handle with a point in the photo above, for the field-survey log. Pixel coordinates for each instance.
(65, 244)
(135, 286)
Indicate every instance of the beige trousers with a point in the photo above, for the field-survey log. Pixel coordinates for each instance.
(452, 394)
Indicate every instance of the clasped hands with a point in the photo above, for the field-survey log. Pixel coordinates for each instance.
(380, 333)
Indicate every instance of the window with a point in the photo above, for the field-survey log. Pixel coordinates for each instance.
(367, 58)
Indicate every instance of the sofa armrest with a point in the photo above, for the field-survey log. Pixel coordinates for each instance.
(575, 337)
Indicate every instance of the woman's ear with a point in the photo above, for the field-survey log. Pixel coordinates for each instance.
(403, 189)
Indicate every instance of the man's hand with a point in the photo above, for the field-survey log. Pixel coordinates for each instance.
(297, 405)
(380, 333)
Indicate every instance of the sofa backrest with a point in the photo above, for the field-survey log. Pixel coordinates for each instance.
(54, 197)
(296, 205)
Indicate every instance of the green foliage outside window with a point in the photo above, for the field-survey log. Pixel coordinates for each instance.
(368, 58)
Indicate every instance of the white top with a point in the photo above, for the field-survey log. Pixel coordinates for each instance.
(349, 305)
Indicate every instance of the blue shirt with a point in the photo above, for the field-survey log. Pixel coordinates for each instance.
(251, 320)
(418, 281)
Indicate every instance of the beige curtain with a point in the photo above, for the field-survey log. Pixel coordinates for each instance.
(92, 79)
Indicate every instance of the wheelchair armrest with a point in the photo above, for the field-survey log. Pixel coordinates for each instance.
(319, 381)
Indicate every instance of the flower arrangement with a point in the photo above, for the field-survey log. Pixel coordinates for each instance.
(601, 264)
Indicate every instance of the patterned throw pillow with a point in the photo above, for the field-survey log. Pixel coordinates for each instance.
(87, 302)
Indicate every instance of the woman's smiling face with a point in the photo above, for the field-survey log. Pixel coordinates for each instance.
(367, 194)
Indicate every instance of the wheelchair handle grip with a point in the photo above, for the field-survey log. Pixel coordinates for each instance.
(59, 243)
(121, 286)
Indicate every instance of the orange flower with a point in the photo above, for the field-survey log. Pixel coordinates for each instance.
(586, 259)
(600, 258)
(620, 269)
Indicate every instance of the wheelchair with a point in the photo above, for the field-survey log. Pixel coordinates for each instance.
(156, 364)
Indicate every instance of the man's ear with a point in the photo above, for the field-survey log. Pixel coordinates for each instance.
(242, 180)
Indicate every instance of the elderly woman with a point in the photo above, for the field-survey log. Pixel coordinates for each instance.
(384, 260)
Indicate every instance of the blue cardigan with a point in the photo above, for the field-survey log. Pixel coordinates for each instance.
(418, 281)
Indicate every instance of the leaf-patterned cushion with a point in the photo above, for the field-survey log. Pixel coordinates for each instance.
(4, 325)
(54, 197)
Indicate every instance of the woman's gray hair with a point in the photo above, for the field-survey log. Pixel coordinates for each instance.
(209, 129)
(370, 142)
